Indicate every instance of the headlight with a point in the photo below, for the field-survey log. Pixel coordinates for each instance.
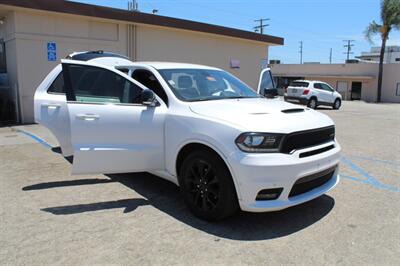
(259, 142)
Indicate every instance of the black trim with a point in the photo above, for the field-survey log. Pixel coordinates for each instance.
(314, 152)
(293, 110)
(86, 56)
(69, 92)
(298, 99)
(310, 182)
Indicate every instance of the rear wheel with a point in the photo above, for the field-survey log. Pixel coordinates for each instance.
(207, 186)
(312, 103)
(337, 104)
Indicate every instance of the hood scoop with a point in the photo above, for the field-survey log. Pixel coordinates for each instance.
(293, 110)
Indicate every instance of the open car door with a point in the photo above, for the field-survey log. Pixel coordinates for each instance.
(266, 86)
(111, 130)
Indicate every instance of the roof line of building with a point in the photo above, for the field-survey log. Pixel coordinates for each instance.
(75, 8)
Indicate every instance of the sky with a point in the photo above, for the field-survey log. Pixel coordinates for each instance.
(320, 24)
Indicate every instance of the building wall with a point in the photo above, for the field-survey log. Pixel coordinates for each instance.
(29, 31)
(166, 44)
(32, 32)
(365, 73)
(391, 77)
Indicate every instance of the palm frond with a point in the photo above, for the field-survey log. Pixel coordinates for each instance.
(372, 29)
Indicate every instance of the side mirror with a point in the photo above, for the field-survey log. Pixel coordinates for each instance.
(148, 98)
(270, 93)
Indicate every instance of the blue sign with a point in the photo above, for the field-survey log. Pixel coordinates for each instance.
(51, 51)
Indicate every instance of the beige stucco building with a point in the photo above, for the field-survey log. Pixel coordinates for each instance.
(27, 27)
(353, 81)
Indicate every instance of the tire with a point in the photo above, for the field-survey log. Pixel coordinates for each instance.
(313, 103)
(337, 104)
(207, 186)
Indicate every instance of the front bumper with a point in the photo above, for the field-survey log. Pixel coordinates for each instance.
(301, 100)
(256, 172)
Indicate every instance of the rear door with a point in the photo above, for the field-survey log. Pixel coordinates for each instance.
(51, 109)
(111, 131)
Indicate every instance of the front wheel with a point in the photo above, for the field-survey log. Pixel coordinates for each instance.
(337, 104)
(312, 103)
(207, 186)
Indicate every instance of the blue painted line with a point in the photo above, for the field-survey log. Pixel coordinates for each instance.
(369, 179)
(374, 160)
(36, 138)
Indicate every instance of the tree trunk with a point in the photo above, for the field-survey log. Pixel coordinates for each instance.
(380, 75)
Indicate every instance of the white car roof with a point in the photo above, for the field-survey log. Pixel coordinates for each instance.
(174, 65)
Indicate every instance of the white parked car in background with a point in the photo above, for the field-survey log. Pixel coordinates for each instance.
(313, 94)
(226, 146)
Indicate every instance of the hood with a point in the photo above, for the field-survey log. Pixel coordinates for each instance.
(262, 115)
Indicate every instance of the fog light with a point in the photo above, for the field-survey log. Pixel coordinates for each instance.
(269, 194)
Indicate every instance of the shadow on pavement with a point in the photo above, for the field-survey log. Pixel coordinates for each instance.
(166, 197)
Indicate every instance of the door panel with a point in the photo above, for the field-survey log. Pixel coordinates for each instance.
(51, 109)
(110, 131)
(117, 138)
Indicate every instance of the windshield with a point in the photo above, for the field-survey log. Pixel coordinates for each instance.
(205, 84)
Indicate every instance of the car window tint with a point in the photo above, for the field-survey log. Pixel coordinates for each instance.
(98, 85)
(148, 79)
(318, 86)
(299, 84)
(326, 87)
(266, 81)
(58, 85)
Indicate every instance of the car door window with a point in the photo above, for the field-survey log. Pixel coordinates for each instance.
(326, 88)
(57, 87)
(148, 79)
(97, 85)
(318, 86)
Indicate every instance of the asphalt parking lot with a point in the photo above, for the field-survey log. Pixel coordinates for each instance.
(51, 217)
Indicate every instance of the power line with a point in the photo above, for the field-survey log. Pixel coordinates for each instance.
(348, 46)
(301, 52)
(261, 27)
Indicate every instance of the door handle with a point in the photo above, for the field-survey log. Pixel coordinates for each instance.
(51, 105)
(88, 117)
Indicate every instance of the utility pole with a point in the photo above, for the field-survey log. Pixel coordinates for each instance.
(348, 46)
(330, 57)
(261, 27)
(301, 52)
(133, 5)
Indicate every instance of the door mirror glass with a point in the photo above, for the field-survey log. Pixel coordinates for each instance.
(270, 93)
(148, 98)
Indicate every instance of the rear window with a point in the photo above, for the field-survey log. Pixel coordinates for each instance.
(299, 84)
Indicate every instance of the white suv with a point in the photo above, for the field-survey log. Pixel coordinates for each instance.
(199, 127)
(313, 94)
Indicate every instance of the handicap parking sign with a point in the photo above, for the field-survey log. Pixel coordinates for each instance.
(51, 51)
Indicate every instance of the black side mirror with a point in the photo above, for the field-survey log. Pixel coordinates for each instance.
(270, 93)
(148, 98)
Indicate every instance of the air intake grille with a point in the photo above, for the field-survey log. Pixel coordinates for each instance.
(309, 138)
(310, 182)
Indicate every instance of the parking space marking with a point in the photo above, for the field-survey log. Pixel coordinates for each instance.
(35, 138)
(369, 179)
(375, 160)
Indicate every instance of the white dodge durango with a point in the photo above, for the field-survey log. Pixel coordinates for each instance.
(225, 145)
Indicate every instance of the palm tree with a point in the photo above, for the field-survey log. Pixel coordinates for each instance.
(390, 17)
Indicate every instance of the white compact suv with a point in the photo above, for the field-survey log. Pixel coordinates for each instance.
(313, 94)
(226, 146)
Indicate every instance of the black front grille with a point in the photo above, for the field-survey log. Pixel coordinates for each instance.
(310, 182)
(309, 138)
